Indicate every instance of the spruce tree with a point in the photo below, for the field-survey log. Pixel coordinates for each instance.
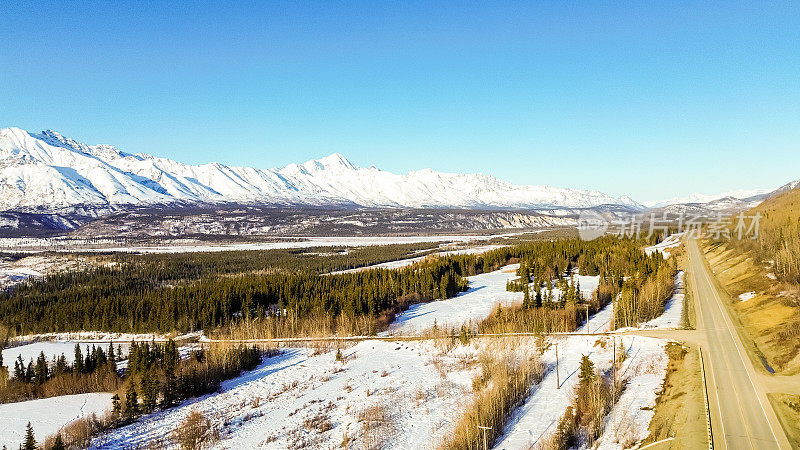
(131, 400)
(526, 298)
(116, 407)
(112, 358)
(61, 366)
(77, 366)
(30, 373)
(58, 444)
(586, 373)
(30, 442)
(149, 392)
(41, 368)
(19, 369)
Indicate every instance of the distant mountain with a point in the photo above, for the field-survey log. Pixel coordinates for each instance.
(710, 205)
(707, 198)
(48, 172)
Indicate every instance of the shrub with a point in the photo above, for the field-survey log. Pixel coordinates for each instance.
(193, 432)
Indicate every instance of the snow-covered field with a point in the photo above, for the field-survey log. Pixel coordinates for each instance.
(485, 291)
(105, 337)
(671, 241)
(399, 394)
(54, 344)
(388, 394)
(51, 350)
(400, 263)
(47, 415)
(36, 266)
(645, 368)
(673, 309)
(70, 245)
(599, 322)
(13, 276)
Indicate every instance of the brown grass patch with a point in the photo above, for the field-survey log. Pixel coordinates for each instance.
(503, 383)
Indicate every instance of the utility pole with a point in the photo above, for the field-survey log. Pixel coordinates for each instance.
(587, 318)
(613, 313)
(614, 371)
(485, 442)
(558, 381)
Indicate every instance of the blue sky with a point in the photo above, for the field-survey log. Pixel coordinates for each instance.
(628, 98)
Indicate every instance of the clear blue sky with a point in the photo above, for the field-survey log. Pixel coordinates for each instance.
(628, 98)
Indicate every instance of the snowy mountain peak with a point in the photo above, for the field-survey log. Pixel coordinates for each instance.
(334, 161)
(50, 171)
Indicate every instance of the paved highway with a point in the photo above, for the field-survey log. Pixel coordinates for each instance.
(741, 415)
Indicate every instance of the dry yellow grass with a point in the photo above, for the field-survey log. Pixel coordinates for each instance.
(503, 382)
(679, 410)
(787, 407)
(771, 319)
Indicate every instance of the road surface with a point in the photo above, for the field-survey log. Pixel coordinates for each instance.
(741, 415)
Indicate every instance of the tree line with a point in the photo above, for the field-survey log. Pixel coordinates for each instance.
(138, 298)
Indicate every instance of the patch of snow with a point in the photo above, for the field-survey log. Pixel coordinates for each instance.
(771, 276)
(747, 296)
(420, 388)
(47, 415)
(671, 241)
(400, 263)
(599, 322)
(485, 291)
(673, 309)
(536, 420)
(588, 284)
(629, 419)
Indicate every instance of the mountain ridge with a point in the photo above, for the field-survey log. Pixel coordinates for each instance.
(48, 171)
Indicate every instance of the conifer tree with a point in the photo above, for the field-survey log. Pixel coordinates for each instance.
(586, 373)
(77, 366)
(30, 441)
(149, 392)
(41, 368)
(116, 407)
(61, 366)
(131, 400)
(112, 358)
(58, 443)
(29, 372)
(526, 298)
(19, 369)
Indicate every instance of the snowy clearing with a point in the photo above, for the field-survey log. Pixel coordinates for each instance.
(47, 415)
(672, 241)
(398, 395)
(105, 337)
(400, 263)
(485, 291)
(599, 322)
(55, 344)
(587, 283)
(673, 309)
(536, 420)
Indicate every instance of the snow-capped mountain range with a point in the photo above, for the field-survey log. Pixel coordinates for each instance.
(706, 198)
(47, 171)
